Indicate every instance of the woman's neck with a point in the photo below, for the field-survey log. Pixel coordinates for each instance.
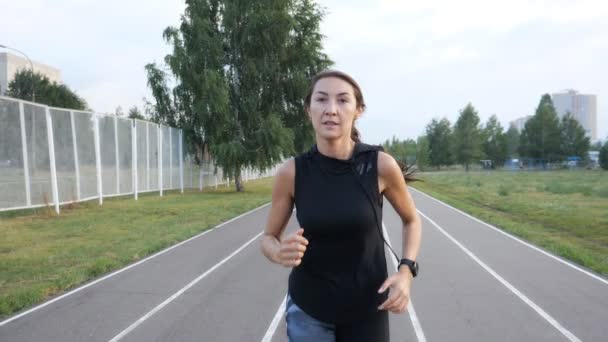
(338, 149)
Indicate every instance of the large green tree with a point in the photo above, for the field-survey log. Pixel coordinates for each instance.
(37, 87)
(495, 144)
(438, 134)
(540, 137)
(241, 69)
(467, 137)
(573, 141)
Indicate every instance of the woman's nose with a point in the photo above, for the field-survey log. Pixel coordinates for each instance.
(331, 108)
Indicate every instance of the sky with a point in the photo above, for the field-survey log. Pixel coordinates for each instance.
(415, 60)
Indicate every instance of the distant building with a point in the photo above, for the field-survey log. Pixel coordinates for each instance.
(520, 123)
(582, 107)
(10, 64)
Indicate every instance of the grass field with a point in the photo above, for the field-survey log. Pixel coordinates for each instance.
(565, 212)
(42, 254)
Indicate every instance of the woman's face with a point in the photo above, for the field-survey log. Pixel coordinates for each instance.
(333, 108)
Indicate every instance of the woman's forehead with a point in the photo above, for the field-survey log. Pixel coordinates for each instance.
(333, 86)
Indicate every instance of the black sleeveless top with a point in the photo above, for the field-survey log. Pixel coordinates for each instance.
(344, 264)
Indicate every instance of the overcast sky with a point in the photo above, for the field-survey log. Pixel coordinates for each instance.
(415, 60)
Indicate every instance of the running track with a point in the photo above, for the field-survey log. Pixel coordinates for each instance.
(476, 284)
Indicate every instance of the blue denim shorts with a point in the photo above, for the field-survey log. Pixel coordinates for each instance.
(303, 328)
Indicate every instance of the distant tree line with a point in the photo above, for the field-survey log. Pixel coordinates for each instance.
(544, 139)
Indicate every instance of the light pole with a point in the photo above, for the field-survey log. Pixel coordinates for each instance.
(31, 65)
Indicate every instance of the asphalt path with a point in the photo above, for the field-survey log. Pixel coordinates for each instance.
(476, 283)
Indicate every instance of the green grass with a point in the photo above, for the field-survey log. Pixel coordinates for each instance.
(42, 254)
(565, 212)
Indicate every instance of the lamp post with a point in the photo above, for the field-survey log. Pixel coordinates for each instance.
(31, 65)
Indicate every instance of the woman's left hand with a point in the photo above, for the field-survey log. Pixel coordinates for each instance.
(399, 297)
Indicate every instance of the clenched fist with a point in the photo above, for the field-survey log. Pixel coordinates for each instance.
(292, 249)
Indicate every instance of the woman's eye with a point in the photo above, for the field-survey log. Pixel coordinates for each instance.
(343, 100)
(320, 99)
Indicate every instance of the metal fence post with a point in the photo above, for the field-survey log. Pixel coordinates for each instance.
(98, 157)
(181, 163)
(147, 156)
(26, 167)
(116, 151)
(160, 159)
(170, 158)
(49, 130)
(75, 145)
(134, 177)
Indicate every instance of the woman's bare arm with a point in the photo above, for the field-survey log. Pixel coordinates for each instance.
(290, 251)
(393, 186)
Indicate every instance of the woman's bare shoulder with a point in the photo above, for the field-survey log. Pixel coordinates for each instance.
(387, 165)
(285, 177)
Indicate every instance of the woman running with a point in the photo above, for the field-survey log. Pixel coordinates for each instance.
(339, 288)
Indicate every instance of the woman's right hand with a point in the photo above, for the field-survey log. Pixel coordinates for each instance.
(292, 249)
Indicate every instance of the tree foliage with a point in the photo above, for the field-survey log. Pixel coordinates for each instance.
(438, 134)
(403, 151)
(422, 152)
(38, 88)
(467, 137)
(603, 157)
(573, 141)
(495, 144)
(540, 137)
(241, 70)
(135, 113)
(512, 138)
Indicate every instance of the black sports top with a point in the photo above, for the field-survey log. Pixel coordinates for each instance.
(344, 264)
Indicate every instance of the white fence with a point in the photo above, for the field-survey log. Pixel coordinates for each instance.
(54, 156)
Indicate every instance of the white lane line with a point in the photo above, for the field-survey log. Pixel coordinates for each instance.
(515, 291)
(518, 240)
(180, 292)
(275, 321)
(123, 269)
(410, 306)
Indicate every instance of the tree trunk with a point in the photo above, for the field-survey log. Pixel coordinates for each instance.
(238, 181)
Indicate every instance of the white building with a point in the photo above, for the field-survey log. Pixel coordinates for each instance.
(10, 64)
(582, 107)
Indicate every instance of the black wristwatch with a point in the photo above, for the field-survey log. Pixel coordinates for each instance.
(413, 265)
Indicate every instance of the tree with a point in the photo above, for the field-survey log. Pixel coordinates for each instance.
(467, 137)
(573, 141)
(512, 137)
(540, 137)
(135, 113)
(596, 146)
(495, 144)
(241, 70)
(438, 135)
(604, 156)
(119, 112)
(45, 92)
(422, 152)
(404, 151)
